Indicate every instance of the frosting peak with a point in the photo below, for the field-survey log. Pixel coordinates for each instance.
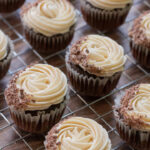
(50, 17)
(44, 84)
(3, 45)
(110, 4)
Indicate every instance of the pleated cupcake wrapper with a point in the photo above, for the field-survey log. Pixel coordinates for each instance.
(138, 139)
(5, 63)
(40, 123)
(141, 54)
(7, 6)
(103, 20)
(48, 45)
(90, 86)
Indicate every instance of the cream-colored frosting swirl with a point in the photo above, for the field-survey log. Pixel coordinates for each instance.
(78, 133)
(140, 106)
(3, 45)
(110, 4)
(44, 84)
(145, 25)
(50, 17)
(103, 53)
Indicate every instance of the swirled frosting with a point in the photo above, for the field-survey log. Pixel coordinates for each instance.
(110, 4)
(44, 84)
(3, 45)
(104, 57)
(138, 108)
(50, 17)
(145, 24)
(78, 133)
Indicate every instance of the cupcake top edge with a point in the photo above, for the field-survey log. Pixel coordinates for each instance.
(134, 109)
(3, 45)
(49, 17)
(78, 133)
(98, 55)
(140, 30)
(110, 4)
(37, 88)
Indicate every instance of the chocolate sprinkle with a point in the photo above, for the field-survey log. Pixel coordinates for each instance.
(77, 57)
(16, 97)
(131, 120)
(137, 34)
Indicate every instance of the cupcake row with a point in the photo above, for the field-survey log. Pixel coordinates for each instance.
(132, 115)
(37, 97)
(49, 25)
(38, 94)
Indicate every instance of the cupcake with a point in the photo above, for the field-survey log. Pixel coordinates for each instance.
(140, 39)
(105, 15)
(37, 97)
(49, 24)
(77, 133)
(7, 6)
(133, 117)
(94, 65)
(6, 48)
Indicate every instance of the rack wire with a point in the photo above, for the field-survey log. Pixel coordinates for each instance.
(97, 109)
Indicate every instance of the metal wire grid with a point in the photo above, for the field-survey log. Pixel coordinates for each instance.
(86, 104)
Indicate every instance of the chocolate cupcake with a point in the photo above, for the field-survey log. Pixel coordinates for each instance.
(7, 6)
(94, 65)
(37, 97)
(6, 48)
(105, 15)
(140, 39)
(77, 133)
(49, 24)
(133, 117)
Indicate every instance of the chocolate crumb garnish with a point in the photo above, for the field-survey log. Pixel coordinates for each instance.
(137, 34)
(135, 121)
(77, 57)
(17, 97)
(51, 138)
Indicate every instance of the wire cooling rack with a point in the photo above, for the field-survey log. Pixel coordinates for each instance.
(12, 138)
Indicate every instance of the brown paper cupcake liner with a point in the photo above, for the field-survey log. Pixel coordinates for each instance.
(7, 6)
(103, 20)
(138, 139)
(91, 86)
(48, 45)
(38, 121)
(5, 63)
(141, 54)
